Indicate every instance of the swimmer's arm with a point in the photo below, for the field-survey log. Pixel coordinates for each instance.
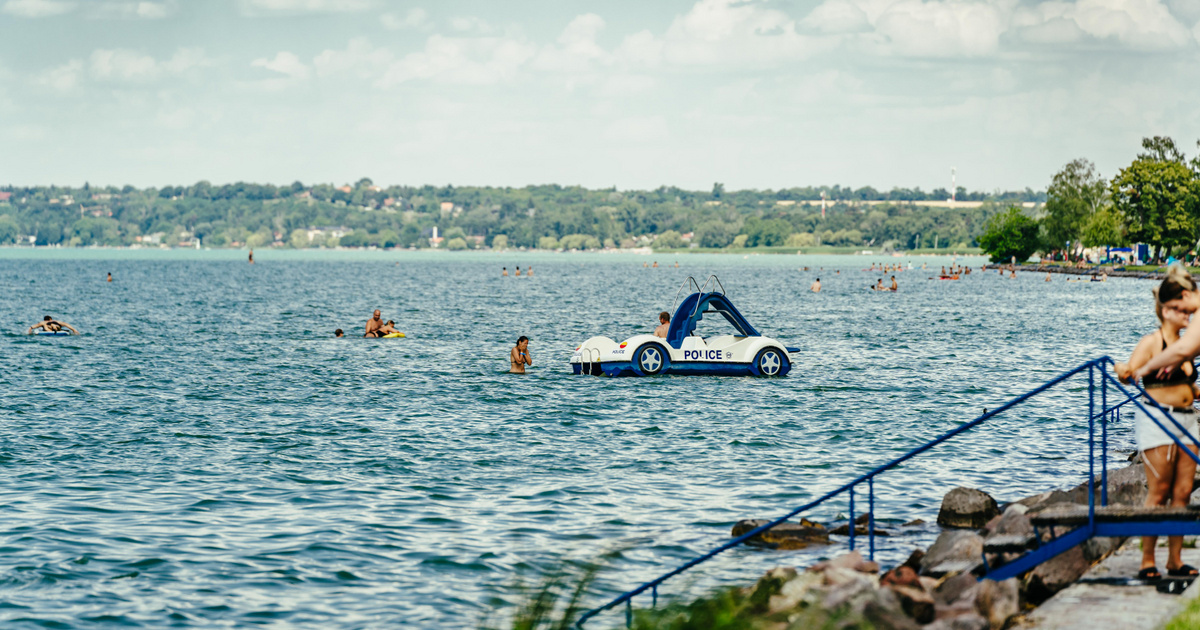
(515, 356)
(66, 325)
(528, 359)
(1182, 350)
(35, 327)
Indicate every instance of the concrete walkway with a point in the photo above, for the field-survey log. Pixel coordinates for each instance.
(1097, 606)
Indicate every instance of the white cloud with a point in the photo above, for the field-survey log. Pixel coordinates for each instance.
(724, 32)
(838, 16)
(131, 10)
(415, 19)
(265, 7)
(943, 29)
(576, 48)
(284, 63)
(123, 65)
(37, 8)
(64, 78)
(471, 61)
(470, 24)
(359, 59)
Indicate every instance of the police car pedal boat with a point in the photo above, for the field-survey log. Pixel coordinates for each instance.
(746, 353)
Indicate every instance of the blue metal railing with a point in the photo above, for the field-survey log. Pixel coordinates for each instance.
(1106, 414)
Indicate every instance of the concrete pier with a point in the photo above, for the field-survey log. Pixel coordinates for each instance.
(1092, 604)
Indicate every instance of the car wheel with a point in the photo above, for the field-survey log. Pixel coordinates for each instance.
(650, 359)
(770, 362)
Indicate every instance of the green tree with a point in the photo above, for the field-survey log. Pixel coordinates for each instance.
(1159, 202)
(1010, 234)
(718, 190)
(8, 230)
(766, 232)
(714, 234)
(500, 241)
(547, 242)
(668, 240)
(456, 243)
(299, 239)
(1075, 194)
(1103, 228)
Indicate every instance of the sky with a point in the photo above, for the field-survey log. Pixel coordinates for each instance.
(633, 94)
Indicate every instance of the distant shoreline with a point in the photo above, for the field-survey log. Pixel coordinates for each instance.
(640, 251)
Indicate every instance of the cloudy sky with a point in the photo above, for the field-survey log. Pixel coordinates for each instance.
(626, 93)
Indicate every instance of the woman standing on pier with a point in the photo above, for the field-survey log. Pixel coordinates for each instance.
(1169, 473)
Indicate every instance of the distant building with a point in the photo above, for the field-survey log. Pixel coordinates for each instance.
(5, 196)
(346, 189)
(447, 206)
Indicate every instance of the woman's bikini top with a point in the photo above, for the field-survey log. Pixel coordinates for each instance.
(1176, 377)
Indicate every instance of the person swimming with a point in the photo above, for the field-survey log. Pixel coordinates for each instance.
(339, 333)
(388, 328)
(894, 285)
(109, 277)
(49, 324)
(519, 356)
(529, 271)
(504, 272)
(816, 286)
(518, 273)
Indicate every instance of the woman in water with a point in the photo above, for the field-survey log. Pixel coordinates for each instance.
(519, 357)
(1169, 473)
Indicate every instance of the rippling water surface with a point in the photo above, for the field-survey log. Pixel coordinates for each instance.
(206, 454)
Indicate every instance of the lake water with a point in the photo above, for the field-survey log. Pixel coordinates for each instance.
(208, 455)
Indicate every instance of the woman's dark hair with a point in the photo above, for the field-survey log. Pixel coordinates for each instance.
(522, 338)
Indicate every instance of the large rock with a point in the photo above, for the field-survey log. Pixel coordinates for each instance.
(998, 601)
(959, 587)
(1055, 574)
(960, 622)
(967, 508)
(785, 535)
(953, 551)
(884, 613)
(1012, 522)
(915, 602)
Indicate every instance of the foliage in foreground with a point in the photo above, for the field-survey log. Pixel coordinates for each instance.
(1189, 619)
(555, 605)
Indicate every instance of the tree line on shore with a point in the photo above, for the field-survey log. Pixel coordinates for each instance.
(548, 216)
(1155, 201)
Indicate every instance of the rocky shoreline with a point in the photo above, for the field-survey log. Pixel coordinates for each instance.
(935, 588)
(1082, 271)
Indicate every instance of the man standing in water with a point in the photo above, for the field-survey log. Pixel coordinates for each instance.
(252, 257)
(816, 286)
(894, 285)
(374, 325)
(519, 357)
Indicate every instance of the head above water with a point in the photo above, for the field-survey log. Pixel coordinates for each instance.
(1177, 292)
(377, 314)
(664, 317)
(522, 340)
(338, 333)
(47, 318)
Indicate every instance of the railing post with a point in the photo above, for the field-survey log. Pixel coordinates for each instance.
(852, 528)
(1104, 414)
(629, 613)
(871, 517)
(1091, 448)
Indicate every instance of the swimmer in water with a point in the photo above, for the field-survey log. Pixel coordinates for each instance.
(518, 274)
(388, 328)
(252, 257)
(664, 324)
(373, 325)
(110, 276)
(49, 324)
(894, 285)
(655, 265)
(519, 357)
(816, 286)
(529, 271)
(504, 272)
(1047, 276)
(339, 333)
(879, 285)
